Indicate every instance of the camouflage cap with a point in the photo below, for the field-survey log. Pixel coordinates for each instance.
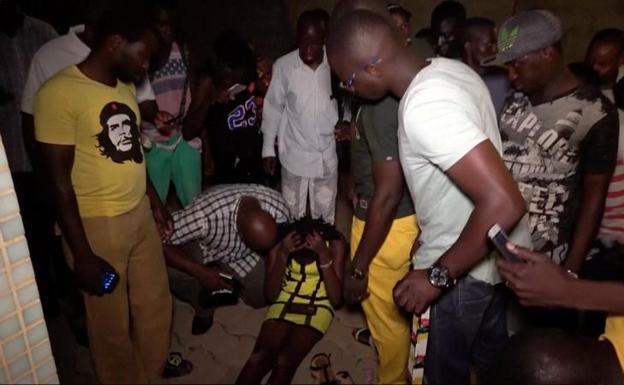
(525, 32)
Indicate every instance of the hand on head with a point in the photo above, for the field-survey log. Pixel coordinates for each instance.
(291, 242)
(316, 243)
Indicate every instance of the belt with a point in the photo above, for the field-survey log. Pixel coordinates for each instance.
(363, 203)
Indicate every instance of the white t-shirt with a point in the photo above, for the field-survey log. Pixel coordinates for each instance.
(445, 113)
(58, 54)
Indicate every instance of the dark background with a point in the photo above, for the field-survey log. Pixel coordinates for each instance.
(269, 24)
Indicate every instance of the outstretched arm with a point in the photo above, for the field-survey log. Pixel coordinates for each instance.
(208, 277)
(540, 282)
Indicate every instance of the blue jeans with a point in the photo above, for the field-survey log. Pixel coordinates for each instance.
(468, 326)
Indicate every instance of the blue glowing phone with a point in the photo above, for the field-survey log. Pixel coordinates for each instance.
(109, 281)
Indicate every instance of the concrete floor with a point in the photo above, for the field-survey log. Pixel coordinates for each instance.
(219, 355)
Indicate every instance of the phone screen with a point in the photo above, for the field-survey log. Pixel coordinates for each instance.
(237, 89)
(500, 239)
(109, 281)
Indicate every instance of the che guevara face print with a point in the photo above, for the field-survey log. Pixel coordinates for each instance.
(119, 139)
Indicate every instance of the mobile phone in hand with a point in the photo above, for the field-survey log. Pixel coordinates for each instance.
(500, 239)
(221, 297)
(109, 281)
(236, 89)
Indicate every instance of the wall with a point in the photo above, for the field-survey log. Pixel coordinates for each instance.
(25, 353)
(270, 23)
(264, 22)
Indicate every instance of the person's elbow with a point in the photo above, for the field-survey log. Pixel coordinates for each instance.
(510, 207)
(389, 199)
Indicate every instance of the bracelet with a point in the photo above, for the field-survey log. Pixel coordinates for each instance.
(327, 265)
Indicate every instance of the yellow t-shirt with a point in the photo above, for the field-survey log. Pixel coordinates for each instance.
(614, 332)
(108, 174)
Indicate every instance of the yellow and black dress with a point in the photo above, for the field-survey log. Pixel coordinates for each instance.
(303, 299)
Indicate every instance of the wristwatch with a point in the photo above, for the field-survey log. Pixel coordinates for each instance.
(439, 277)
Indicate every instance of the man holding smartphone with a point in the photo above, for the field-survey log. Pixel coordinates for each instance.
(86, 126)
(220, 240)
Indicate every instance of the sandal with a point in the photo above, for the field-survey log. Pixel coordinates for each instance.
(363, 336)
(177, 366)
(321, 370)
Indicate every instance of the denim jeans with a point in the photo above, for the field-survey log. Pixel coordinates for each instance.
(468, 326)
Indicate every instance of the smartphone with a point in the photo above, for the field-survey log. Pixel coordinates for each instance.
(221, 297)
(500, 239)
(236, 89)
(109, 281)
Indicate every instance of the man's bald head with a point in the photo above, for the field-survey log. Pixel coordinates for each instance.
(357, 47)
(549, 356)
(258, 229)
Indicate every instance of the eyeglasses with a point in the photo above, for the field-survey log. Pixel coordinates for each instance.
(349, 85)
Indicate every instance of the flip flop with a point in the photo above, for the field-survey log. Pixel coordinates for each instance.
(177, 366)
(321, 370)
(363, 336)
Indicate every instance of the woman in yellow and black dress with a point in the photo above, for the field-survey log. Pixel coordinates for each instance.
(303, 283)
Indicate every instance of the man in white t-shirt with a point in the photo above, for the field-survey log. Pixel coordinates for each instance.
(450, 152)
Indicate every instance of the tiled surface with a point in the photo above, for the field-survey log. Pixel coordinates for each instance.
(25, 354)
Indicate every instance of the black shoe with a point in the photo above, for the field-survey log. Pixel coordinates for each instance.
(201, 325)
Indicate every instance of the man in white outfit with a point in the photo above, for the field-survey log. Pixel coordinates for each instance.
(300, 113)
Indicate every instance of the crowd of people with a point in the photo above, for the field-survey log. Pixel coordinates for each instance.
(158, 174)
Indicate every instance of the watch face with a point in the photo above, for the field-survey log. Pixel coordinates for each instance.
(439, 277)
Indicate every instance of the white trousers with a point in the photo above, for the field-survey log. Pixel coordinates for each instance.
(321, 191)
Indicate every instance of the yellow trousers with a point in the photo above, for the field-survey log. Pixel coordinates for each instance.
(389, 328)
(129, 328)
